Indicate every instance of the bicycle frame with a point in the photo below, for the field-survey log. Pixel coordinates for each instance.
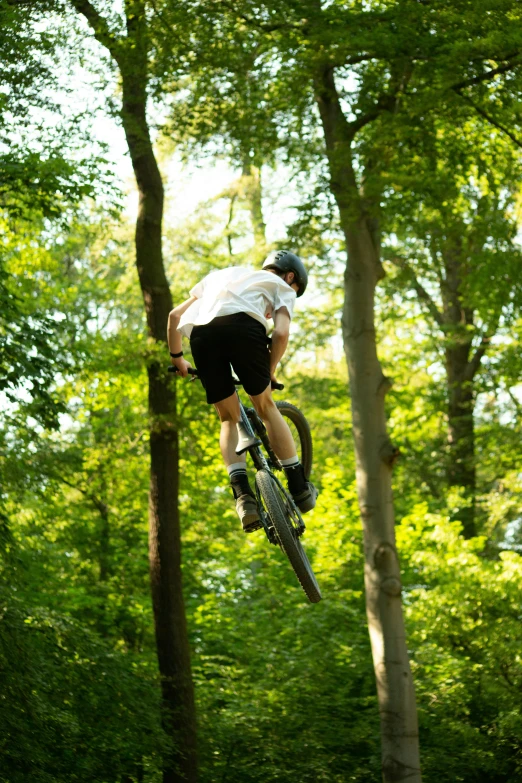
(255, 427)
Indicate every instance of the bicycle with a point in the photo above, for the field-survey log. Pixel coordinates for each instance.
(280, 517)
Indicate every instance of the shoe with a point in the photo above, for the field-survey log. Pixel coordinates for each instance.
(248, 513)
(306, 499)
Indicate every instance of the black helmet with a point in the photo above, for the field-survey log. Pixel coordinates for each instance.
(285, 261)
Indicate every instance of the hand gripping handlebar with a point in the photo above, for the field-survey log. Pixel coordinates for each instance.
(237, 382)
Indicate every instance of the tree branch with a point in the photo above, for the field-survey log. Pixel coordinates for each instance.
(99, 26)
(267, 28)
(164, 23)
(504, 670)
(518, 406)
(326, 92)
(98, 504)
(474, 363)
(385, 102)
(388, 101)
(356, 59)
(421, 292)
(485, 77)
(488, 117)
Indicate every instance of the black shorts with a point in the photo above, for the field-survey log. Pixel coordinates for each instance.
(238, 340)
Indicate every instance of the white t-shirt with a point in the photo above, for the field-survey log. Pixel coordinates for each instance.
(237, 289)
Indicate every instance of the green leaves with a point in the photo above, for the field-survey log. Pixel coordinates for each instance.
(285, 690)
(463, 615)
(73, 709)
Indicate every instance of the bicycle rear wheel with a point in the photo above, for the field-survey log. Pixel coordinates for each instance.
(287, 535)
(300, 430)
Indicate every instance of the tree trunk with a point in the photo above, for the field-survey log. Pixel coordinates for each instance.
(164, 525)
(104, 556)
(373, 450)
(460, 373)
(461, 439)
(252, 179)
(131, 55)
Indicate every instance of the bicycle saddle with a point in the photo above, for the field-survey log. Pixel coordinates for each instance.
(245, 439)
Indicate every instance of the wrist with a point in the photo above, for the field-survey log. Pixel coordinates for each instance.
(176, 355)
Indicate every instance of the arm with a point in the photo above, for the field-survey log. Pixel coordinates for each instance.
(279, 338)
(174, 337)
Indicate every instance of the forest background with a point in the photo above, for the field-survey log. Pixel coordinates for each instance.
(381, 141)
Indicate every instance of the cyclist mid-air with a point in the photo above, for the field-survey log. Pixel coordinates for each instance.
(226, 319)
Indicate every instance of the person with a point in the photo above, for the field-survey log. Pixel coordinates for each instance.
(226, 319)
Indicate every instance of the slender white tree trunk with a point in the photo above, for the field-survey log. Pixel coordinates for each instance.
(374, 452)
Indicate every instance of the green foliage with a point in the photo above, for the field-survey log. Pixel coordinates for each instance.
(73, 708)
(285, 690)
(41, 307)
(260, 658)
(454, 201)
(464, 618)
(18, 364)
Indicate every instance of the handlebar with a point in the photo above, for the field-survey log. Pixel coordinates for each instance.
(192, 371)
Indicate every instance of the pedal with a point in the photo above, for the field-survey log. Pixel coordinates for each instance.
(245, 439)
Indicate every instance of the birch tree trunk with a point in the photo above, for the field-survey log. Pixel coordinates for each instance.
(131, 55)
(374, 452)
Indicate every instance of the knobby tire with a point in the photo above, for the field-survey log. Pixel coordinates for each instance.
(287, 535)
(294, 415)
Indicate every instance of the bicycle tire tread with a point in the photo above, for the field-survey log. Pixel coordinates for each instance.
(289, 543)
(300, 422)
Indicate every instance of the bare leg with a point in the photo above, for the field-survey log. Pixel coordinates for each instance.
(280, 437)
(229, 414)
(246, 505)
(278, 430)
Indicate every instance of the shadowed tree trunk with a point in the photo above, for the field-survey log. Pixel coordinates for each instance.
(131, 55)
(462, 362)
(374, 452)
(461, 440)
(461, 368)
(104, 556)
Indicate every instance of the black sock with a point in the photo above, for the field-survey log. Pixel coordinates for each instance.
(296, 478)
(239, 483)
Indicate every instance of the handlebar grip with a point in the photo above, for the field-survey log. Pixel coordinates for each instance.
(191, 370)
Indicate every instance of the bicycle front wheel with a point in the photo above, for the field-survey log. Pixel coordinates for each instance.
(287, 535)
(300, 430)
